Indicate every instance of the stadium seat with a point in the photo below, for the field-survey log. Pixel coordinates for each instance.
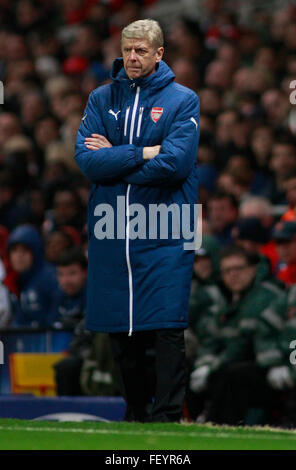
(33, 373)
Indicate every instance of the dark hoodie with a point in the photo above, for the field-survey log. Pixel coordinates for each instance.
(37, 286)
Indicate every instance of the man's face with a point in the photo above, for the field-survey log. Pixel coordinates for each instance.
(71, 278)
(283, 160)
(236, 273)
(221, 213)
(286, 250)
(140, 57)
(21, 258)
(65, 206)
(203, 267)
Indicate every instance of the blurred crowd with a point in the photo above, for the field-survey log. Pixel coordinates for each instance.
(241, 60)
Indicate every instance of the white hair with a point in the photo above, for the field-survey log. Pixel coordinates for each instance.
(144, 29)
(256, 206)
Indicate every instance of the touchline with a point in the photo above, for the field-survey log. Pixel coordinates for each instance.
(156, 220)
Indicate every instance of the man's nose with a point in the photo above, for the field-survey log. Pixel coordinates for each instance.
(133, 55)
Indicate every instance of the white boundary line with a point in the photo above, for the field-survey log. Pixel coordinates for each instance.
(223, 435)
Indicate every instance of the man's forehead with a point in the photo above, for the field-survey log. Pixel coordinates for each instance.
(233, 260)
(136, 42)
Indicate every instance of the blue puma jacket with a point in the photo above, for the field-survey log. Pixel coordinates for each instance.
(137, 280)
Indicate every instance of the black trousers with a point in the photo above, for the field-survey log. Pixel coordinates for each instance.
(67, 375)
(235, 389)
(150, 369)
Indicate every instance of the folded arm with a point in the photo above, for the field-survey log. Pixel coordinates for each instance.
(178, 150)
(107, 162)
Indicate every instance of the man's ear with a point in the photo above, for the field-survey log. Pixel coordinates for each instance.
(159, 54)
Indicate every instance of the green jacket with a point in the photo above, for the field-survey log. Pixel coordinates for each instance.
(226, 331)
(276, 331)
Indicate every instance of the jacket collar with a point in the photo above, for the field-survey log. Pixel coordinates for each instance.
(159, 79)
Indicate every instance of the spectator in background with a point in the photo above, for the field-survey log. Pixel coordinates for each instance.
(224, 145)
(226, 336)
(222, 215)
(284, 235)
(205, 275)
(55, 244)
(9, 127)
(261, 208)
(88, 370)
(37, 284)
(13, 210)
(70, 304)
(261, 146)
(290, 190)
(282, 163)
(66, 211)
(250, 234)
(275, 335)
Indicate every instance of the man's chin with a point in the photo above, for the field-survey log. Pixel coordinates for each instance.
(134, 74)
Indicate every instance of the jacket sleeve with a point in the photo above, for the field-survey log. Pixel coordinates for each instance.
(105, 164)
(178, 150)
(267, 339)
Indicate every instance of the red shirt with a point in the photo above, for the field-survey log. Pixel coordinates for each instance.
(287, 274)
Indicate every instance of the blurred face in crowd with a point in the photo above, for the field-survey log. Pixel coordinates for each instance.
(21, 258)
(257, 207)
(290, 188)
(283, 160)
(265, 58)
(186, 73)
(276, 105)
(65, 206)
(261, 144)
(140, 57)
(225, 125)
(71, 278)
(236, 273)
(202, 267)
(287, 250)
(248, 245)
(210, 101)
(9, 126)
(32, 108)
(46, 131)
(221, 213)
(56, 243)
(218, 74)
(230, 54)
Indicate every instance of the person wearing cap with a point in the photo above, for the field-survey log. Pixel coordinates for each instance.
(250, 234)
(226, 334)
(284, 234)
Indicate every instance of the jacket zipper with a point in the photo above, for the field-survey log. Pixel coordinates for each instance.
(140, 121)
(130, 275)
(126, 120)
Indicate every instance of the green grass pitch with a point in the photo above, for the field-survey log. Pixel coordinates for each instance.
(48, 435)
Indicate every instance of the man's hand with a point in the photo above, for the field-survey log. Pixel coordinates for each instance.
(199, 378)
(279, 377)
(150, 152)
(96, 142)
